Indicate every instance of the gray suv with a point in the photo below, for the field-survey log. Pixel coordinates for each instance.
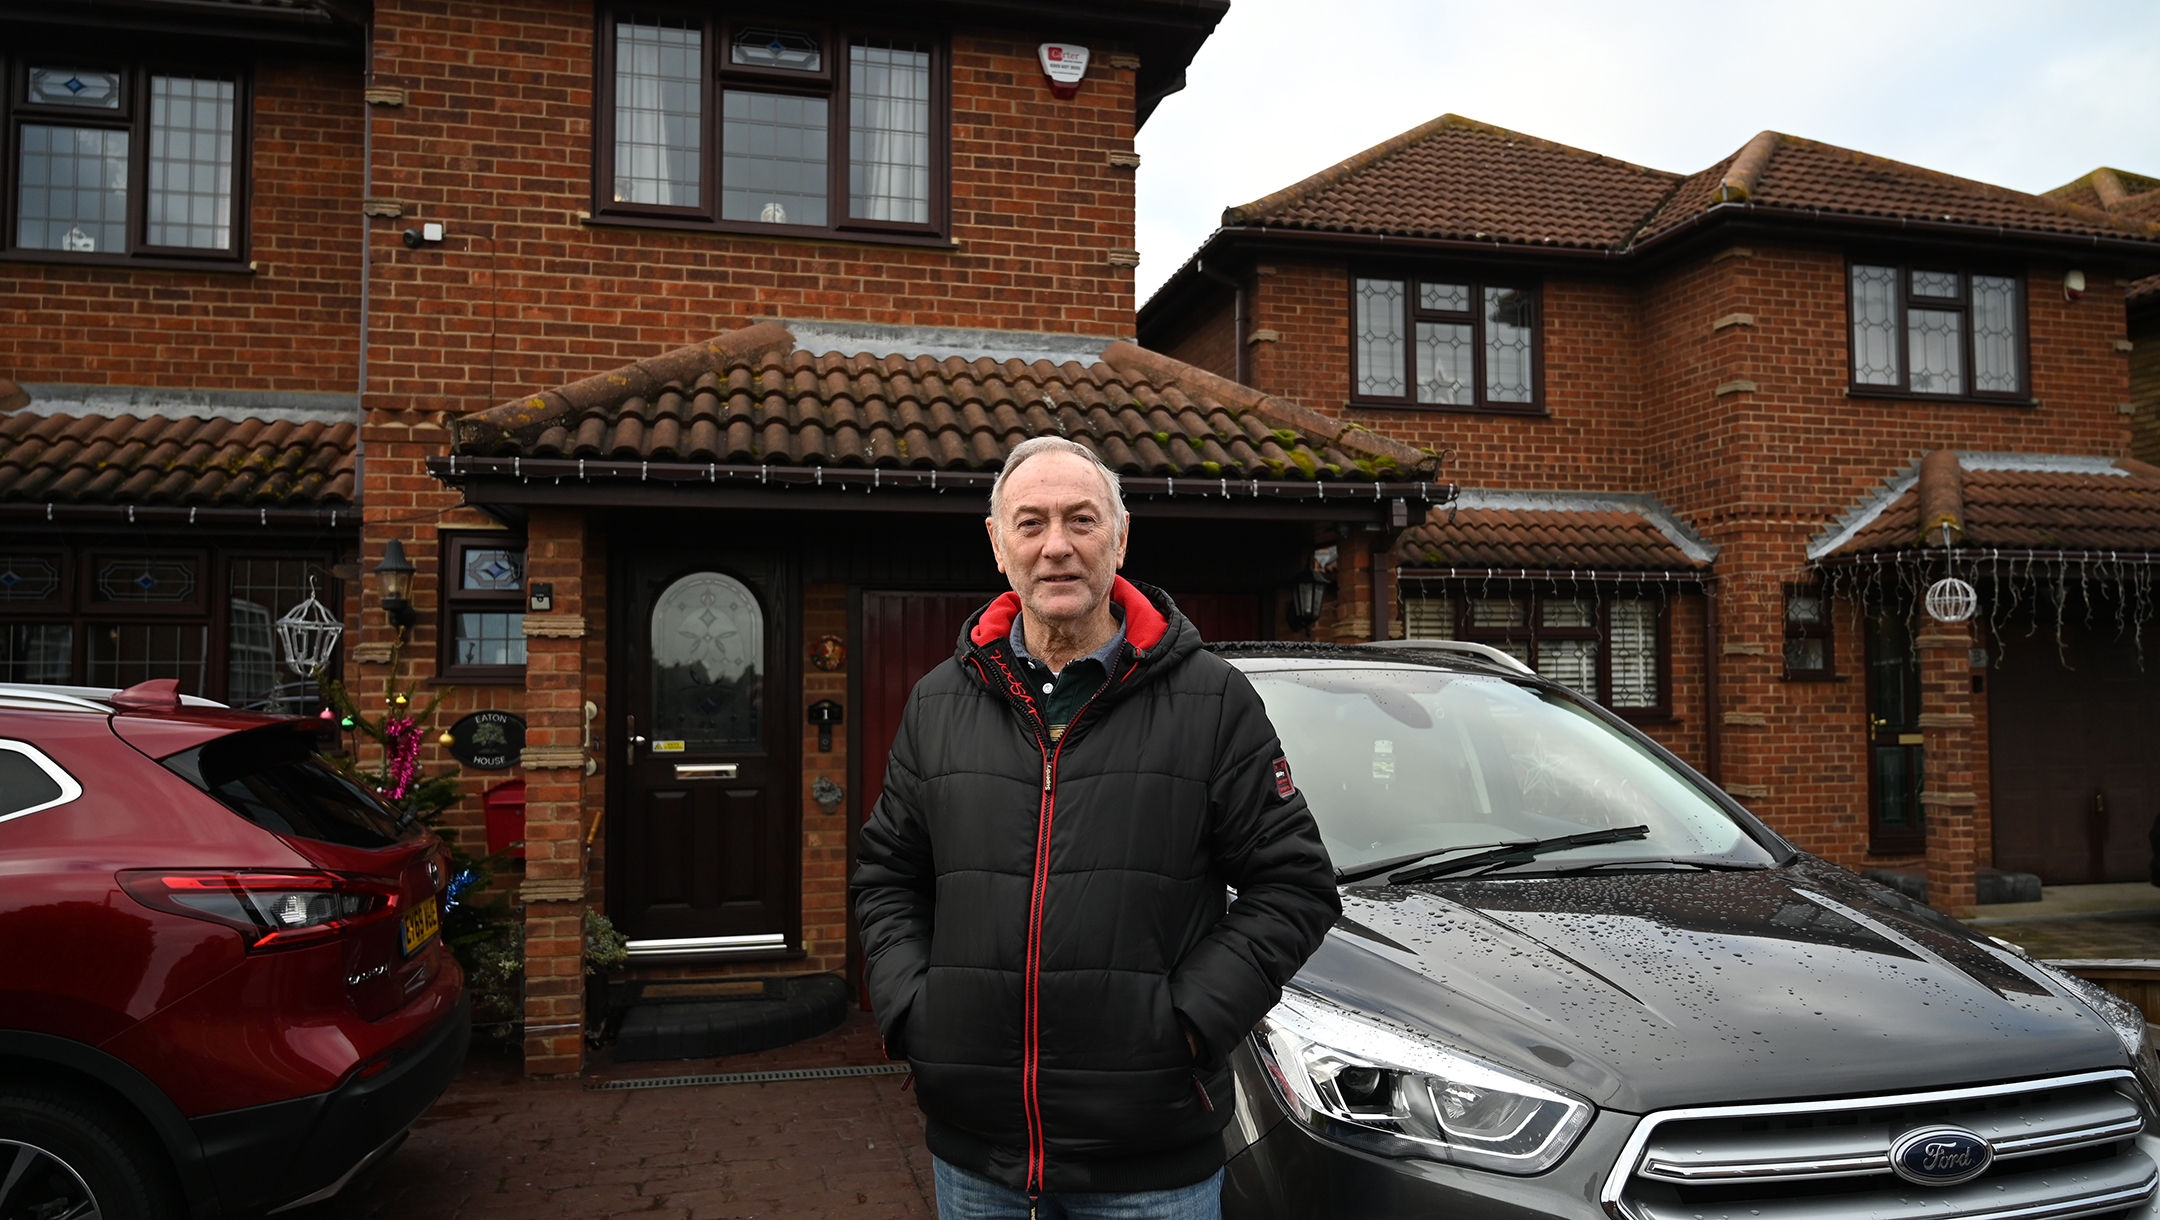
(1573, 978)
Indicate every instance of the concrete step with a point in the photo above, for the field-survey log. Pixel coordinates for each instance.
(693, 1027)
(1992, 885)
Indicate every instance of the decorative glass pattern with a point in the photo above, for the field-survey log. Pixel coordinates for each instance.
(659, 113)
(191, 163)
(1996, 349)
(1499, 612)
(489, 639)
(37, 652)
(1807, 654)
(1429, 618)
(708, 664)
(493, 568)
(758, 47)
(91, 90)
(1632, 640)
(1444, 298)
(889, 131)
(773, 156)
(123, 654)
(1444, 355)
(1380, 338)
(1507, 345)
(1571, 663)
(28, 578)
(1942, 285)
(73, 186)
(1874, 326)
(149, 578)
(1931, 338)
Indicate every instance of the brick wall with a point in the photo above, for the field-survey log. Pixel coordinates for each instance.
(2144, 359)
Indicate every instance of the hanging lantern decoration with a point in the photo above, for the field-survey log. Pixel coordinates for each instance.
(1951, 600)
(307, 634)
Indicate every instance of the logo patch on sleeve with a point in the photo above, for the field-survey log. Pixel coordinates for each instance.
(1283, 786)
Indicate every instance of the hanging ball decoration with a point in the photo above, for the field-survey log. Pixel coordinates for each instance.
(326, 714)
(400, 701)
(1951, 600)
(347, 723)
(446, 739)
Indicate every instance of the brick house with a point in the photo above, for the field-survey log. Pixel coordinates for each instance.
(675, 348)
(2136, 197)
(1718, 433)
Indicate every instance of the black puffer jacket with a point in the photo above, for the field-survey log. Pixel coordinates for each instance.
(1038, 916)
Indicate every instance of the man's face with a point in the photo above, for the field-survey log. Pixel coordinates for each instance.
(1056, 541)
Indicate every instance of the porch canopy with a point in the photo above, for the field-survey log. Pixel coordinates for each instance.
(854, 417)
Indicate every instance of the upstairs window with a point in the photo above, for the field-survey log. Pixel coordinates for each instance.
(112, 163)
(1451, 342)
(771, 125)
(1937, 331)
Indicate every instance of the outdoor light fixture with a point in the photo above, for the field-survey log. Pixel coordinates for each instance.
(395, 573)
(1306, 594)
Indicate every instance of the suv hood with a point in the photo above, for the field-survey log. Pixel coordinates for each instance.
(1645, 991)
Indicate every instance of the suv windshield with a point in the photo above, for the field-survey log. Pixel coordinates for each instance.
(1396, 761)
(273, 777)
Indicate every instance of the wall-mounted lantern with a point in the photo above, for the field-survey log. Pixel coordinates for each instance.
(394, 576)
(1306, 594)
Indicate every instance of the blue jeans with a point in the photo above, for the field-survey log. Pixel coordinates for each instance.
(962, 1195)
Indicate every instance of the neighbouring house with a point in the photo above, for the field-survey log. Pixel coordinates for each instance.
(1720, 436)
(2136, 197)
(673, 346)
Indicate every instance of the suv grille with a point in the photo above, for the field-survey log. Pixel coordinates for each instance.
(2063, 1148)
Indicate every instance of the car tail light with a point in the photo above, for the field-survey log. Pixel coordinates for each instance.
(271, 909)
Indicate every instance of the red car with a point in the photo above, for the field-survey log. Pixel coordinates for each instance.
(223, 990)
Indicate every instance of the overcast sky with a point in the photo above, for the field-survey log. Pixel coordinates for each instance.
(2028, 96)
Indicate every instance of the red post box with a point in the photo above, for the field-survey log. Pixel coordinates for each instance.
(505, 807)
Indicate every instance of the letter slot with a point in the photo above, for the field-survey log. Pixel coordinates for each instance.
(704, 770)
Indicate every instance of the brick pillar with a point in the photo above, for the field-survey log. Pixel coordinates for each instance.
(555, 821)
(1353, 585)
(825, 833)
(1946, 719)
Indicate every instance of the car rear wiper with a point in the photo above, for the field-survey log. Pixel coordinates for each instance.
(1519, 853)
(1344, 876)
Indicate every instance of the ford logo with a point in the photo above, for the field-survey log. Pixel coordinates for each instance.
(1940, 1156)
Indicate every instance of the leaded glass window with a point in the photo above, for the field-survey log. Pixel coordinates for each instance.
(1934, 331)
(123, 654)
(37, 652)
(788, 50)
(73, 189)
(259, 591)
(773, 158)
(1807, 632)
(483, 605)
(889, 131)
(1874, 326)
(1379, 338)
(659, 119)
(191, 163)
(141, 163)
(1443, 342)
(1996, 348)
(1606, 647)
(1632, 638)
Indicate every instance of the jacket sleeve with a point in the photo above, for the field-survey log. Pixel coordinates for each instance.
(1268, 848)
(894, 891)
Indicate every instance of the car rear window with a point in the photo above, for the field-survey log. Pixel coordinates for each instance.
(273, 777)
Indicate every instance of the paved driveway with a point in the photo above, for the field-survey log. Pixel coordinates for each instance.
(500, 1146)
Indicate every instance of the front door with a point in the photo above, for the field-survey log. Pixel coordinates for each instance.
(709, 838)
(1896, 758)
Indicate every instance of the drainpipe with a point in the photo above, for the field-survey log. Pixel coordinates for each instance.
(1237, 318)
(367, 234)
(1713, 743)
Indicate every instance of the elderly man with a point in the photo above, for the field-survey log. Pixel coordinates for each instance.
(1041, 888)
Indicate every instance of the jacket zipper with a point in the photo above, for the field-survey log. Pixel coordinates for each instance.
(1030, 1088)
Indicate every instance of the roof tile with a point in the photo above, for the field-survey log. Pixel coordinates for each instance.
(213, 462)
(1541, 539)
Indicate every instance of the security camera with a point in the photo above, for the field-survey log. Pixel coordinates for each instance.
(426, 235)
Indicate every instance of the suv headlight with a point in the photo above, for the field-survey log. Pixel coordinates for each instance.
(1394, 1091)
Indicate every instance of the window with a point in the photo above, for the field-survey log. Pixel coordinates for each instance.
(1951, 333)
(114, 163)
(1808, 651)
(101, 616)
(758, 124)
(483, 606)
(1610, 649)
(1444, 343)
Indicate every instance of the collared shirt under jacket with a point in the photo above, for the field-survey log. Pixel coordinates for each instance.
(1041, 919)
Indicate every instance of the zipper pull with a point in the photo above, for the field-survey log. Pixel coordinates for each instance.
(1046, 775)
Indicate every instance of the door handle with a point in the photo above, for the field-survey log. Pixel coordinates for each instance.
(631, 740)
(1877, 724)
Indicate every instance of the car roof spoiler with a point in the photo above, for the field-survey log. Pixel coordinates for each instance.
(1483, 652)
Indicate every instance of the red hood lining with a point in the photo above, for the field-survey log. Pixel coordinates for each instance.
(1145, 626)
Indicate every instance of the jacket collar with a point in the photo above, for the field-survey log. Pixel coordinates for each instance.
(1155, 633)
(1145, 625)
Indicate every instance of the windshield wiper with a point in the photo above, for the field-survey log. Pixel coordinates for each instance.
(1707, 866)
(1344, 876)
(1520, 853)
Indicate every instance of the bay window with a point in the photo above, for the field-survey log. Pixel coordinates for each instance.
(1610, 648)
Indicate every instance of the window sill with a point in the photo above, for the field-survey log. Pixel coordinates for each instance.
(1530, 410)
(743, 228)
(126, 262)
(1882, 395)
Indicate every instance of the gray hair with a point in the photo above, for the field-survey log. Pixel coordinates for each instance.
(1057, 444)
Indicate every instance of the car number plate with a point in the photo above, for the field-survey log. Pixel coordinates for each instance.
(421, 925)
